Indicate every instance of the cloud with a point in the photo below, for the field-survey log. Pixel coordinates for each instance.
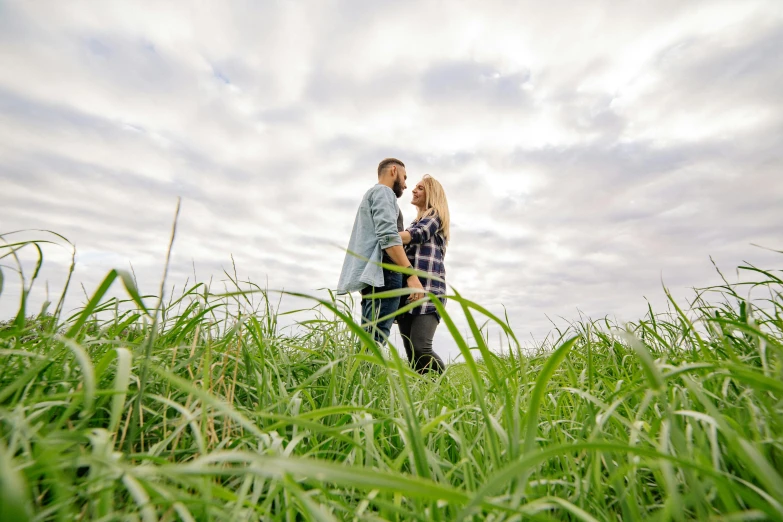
(474, 84)
(588, 156)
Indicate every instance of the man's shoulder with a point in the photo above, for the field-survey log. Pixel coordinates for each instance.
(379, 191)
(379, 188)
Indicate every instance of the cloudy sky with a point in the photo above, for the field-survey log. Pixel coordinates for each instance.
(590, 150)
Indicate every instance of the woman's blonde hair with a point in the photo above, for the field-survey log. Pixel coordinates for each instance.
(435, 203)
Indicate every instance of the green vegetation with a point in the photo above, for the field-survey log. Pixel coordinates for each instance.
(208, 410)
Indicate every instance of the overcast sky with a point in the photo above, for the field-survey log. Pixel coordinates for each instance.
(590, 150)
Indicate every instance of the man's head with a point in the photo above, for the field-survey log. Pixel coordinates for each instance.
(391, 172)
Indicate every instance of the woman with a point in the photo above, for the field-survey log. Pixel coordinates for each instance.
(425, 244)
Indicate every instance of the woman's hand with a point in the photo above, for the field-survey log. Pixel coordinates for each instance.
(405, 236)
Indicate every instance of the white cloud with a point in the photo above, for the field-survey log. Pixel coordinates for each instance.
(588, 150)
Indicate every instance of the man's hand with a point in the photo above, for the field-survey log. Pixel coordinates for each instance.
(413, 282)
(397, 253)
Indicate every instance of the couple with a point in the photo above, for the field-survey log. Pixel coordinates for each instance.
(378, 237)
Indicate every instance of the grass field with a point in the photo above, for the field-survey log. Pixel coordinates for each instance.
(202, 408)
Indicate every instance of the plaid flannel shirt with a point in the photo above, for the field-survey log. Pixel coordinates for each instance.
(426, 252)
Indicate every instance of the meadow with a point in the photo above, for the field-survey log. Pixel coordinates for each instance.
(201, 407)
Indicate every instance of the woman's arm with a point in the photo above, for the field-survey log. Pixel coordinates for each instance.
(405, 236)
(421, 231)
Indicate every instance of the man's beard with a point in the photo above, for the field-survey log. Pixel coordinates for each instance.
(397, 188)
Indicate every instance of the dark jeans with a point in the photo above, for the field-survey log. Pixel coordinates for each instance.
(417, 332)
(373, 309)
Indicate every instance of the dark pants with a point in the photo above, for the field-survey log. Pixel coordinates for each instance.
(373, 309)
(417, 332)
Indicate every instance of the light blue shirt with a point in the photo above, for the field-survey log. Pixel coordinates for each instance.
(374, 230)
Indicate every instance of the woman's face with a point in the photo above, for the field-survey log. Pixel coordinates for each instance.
(419, 195)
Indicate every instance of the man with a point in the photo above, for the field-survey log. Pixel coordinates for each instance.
(375, 239)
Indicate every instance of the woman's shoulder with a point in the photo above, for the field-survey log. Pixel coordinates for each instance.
(427, 219)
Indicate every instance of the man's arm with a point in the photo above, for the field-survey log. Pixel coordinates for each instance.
(383, 207)
(397, 253)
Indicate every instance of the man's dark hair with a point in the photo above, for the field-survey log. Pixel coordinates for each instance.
(387, 163)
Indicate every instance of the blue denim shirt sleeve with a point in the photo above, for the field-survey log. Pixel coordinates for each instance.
(384, 210)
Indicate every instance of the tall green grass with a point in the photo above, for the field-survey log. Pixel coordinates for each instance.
(203, 408)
